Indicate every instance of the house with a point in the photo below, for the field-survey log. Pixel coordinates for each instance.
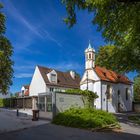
(115, 91)
(50, 80)
(25, 90)
(4, 96)
(46, 81)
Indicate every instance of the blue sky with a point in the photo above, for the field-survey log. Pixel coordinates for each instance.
(40, 37)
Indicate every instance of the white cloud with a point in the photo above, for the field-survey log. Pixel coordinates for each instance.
(26, 71)
(23, 75)
(38, 30)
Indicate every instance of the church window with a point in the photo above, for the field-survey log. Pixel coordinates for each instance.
(126, 94)
(89, 56)
(109, 92)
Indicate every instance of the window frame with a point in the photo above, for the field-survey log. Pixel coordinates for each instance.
(53, 77)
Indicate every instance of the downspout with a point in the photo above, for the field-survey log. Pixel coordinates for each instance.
(101, 97)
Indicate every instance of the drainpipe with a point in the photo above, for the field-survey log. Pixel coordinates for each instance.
(101, 98)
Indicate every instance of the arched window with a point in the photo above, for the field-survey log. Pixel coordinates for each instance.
(109, 92)
(126, 94)
(89, 56)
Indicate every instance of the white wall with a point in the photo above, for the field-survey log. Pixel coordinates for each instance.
(126, 105)
(94, 84)
(4, 96)
(37, 84)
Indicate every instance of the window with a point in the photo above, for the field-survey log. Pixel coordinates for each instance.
(108, 92)
(89, 56)
(51, 89)
(49, 104)
(126, 94)
(53, 77)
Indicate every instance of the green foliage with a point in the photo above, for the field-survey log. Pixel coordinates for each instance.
(119, 23)
(110, 57)
(135, 119)
(137, 88)
(6, 51)
(84, 118)
(7, 102)
(4, 102)
(88, 96)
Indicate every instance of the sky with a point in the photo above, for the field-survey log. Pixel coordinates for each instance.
(40, 37)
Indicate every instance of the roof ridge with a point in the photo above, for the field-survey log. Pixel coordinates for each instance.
(52, 69)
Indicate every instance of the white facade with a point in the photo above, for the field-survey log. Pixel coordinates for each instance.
(37, 84)
(3, 96)
(118, 100)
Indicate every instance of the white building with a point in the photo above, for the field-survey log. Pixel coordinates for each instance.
(3, 96)
(48, 80)
(115, 91)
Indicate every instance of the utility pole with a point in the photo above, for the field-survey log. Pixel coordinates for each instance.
(87, 79)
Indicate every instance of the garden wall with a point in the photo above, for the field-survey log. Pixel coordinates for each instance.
(136, 106)
(64, 101)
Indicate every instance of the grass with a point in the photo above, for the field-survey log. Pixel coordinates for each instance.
(85, 118)
(135, 119)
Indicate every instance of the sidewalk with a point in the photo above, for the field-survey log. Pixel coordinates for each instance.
(10, 122)
(127, 125)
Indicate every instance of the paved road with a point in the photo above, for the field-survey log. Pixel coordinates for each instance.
(54, 132)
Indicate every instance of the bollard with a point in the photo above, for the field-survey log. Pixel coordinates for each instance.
(17, 112)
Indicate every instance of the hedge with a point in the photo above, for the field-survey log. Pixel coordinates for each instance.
(4, 102)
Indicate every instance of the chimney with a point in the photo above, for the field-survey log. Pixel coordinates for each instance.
(72, 73)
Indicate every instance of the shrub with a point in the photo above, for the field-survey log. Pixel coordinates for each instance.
(84, 118)
(4, 102)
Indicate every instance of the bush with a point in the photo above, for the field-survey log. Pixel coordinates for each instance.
(135, 119)
(4, 102)
(84, 118)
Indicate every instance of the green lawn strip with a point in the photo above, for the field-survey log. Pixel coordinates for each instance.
(135, 119)
(86, 118)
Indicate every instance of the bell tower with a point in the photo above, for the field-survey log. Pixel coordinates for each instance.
(89, 57)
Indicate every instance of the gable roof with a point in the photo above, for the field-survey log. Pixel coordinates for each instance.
(64, 79)
(111, 76)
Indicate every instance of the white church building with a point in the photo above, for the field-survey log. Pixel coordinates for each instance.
(115, 91)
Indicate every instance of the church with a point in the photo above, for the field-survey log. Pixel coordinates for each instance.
(115, 91)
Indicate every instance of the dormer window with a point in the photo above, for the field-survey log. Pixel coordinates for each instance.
(53, 78)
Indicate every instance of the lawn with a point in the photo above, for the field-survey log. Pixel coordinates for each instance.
(85, 118)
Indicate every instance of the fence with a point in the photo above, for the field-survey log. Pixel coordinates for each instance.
(22, 102)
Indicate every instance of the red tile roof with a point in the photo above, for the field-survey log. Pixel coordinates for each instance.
(111, 76)
(64, 79)
(26, 92)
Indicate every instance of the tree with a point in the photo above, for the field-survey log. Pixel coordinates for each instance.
(137, 88)
(119, 23)
(6, 51)
(111, 57)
